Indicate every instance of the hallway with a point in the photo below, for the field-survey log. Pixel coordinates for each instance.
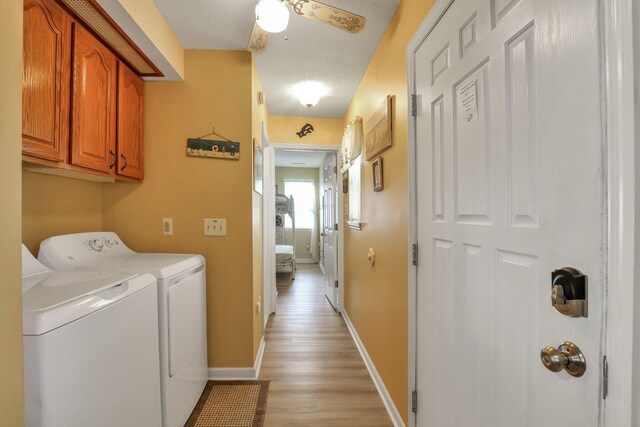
(317, 375)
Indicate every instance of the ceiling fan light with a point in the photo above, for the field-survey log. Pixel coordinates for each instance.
(272, 15)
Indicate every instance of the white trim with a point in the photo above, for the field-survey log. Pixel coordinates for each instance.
(395, 416)
(240, 373)
(436, 13)
(621, 320)
(306, 261)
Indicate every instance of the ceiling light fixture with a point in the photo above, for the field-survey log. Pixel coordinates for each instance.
(309, 92)
(272, 15)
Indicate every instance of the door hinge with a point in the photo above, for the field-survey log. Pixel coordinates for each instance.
(335, 227)
(414, 254)
(336, 283)
(605, 377)
(414, 105)
(414, 401)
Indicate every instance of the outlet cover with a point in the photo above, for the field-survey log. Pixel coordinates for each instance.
(167, 226)
(215, 227)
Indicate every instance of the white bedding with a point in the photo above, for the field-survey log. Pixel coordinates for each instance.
(284, 254)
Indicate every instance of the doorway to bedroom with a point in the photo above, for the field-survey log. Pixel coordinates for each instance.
(302, 216)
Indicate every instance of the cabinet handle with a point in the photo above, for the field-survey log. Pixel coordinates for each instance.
(125, 162)
(113, 156)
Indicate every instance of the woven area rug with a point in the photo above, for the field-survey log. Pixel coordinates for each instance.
(231, 404)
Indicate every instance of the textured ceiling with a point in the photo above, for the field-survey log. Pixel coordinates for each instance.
(307, 50)
(299, 159)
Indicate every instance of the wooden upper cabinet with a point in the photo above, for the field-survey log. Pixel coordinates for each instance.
(45, 80)
(130, 123)
(93, 112)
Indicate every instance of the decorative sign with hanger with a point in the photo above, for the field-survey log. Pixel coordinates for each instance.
(200, 147)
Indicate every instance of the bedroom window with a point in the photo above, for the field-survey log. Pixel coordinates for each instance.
(304, 198)
(354, 194)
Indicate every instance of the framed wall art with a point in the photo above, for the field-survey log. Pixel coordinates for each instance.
(378, 129)
(377, 174)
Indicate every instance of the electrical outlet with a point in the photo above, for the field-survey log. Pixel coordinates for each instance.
(167, 226)
(215, 227)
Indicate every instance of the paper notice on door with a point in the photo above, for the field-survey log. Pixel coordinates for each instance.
(468, 105)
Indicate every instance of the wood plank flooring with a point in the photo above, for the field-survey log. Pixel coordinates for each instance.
(317, 375)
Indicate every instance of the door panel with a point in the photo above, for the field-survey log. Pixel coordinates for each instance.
(130, 123)
(93, 138)
(46, 56)
(509, 188)
(330, 238)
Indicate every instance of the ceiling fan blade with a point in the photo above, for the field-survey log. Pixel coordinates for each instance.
(331, 15)
(258, 40)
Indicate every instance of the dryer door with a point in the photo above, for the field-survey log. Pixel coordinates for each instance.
(186, 310)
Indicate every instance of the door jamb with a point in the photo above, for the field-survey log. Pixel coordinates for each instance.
(619, 136)
(622, 311)
(269, 212)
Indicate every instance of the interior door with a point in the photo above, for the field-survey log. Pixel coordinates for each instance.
(509, 188)
(329, 229)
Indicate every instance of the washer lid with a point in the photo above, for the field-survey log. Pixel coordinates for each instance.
(106, 251)
(53, 299)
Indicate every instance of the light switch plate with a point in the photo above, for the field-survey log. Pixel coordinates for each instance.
(167, 226)
(215, 227)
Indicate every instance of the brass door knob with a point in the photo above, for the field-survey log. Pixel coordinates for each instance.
(568, 357)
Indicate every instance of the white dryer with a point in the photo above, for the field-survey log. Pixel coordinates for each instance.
(90, 348)
(181, 308)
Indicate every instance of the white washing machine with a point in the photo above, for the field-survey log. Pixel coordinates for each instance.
(90, 348)
(181, 308)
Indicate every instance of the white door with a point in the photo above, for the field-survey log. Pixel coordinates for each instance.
(329, 229)
(509, 183)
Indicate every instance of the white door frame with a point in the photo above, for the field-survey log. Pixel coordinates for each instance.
(621, 319)
(269, 235)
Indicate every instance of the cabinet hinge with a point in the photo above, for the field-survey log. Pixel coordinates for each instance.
(336, 283)
(605, 377)
(335, 227)
(414, 254)
(414, 401)
(414, 105)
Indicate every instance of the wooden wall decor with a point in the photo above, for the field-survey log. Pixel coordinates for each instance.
(378, 180)
(197, 147)
(378, 130)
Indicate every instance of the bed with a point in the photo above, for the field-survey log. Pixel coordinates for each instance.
(285, 254)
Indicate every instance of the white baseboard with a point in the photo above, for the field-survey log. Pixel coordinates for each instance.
(306, 261)
(382, 390)
(251, 373)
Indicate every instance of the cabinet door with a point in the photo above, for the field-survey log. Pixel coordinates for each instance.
(46, 55)
(93, 103)
(130, 123)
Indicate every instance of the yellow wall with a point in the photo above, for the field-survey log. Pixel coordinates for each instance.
(216, 91)
(259, 114)
(325, 131)
(376, 297)
(11, 371)
(53, 205)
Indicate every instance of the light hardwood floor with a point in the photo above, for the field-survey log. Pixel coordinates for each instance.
(317, 375)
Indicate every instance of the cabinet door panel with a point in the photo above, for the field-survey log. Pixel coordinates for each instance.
(130, 123)
(45, 80)
(93, 115)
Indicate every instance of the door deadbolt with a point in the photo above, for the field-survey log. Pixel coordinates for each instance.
(568, 357)
(569, 292)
